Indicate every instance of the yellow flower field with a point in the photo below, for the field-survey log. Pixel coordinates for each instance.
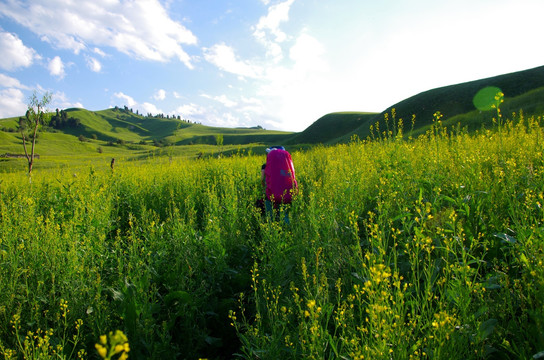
(427, 248)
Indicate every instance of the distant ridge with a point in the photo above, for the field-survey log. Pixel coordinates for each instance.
(523, 90)
(330, 127)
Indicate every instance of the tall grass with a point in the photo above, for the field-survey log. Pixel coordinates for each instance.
(429, 248)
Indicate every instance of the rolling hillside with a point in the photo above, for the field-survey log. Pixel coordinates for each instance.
(522, 90)
(123, 128)
(98, 136)
(331, 127)
(114, 124)
(118, 130)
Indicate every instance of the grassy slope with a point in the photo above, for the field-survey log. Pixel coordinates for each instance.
(200, 134)
(330, 127)
(9, 123)
(112, 125)
(135, 128)
(530, 103)
(456, 100)
(523, 90)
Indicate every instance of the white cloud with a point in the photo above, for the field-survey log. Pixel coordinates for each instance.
(149, 108)
(14, 53)
(308, 54)
(251, 106)
(295, 95)
(223, 99)
(268, 31)
(292, 95)
(10, 82)
(59, 100)
(226, 101)
(94, 64)
(227, 111)
(139, 28)
(190, 110)
(271, 22)
(225, 120)
(128, 100)
(210, 116)
(12, 103)
(224, 58)
(160, 95)
(99, 52)
(56, 67)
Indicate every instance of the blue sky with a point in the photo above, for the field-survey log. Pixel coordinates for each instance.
(280, 64)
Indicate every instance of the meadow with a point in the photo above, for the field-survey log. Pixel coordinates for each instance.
(397, 248)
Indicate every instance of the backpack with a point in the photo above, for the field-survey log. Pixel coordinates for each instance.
(280, 177)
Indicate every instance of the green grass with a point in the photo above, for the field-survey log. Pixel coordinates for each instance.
(112, 125)
(200, 134)
(331, 128)
(426, 249)
(137, 134)
(524, 105)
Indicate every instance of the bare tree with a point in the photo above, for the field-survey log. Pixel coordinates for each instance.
(36, 115)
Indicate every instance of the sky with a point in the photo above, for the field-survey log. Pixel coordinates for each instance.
(280, 64)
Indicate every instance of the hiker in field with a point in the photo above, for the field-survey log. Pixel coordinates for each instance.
(279, 181)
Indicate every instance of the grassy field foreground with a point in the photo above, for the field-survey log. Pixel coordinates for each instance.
(430, 248)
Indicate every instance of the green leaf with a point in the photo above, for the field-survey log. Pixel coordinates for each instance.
(213, 341)
(486, 328)
(523, 259)
(333, 346)
(481, 311)
(492, 283)
(181, 297)
(506, 238)
(449, 199)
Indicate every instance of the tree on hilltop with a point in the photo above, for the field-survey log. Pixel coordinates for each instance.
(61, 121)
(36, 116)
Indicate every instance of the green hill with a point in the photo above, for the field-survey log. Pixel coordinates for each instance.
(330, 127)
(522, 90)
(200, 134)
(530, 103)
(115, 132)
(118, 124)
(100, 135)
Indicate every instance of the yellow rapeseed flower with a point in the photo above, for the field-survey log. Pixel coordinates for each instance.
(102, 351)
